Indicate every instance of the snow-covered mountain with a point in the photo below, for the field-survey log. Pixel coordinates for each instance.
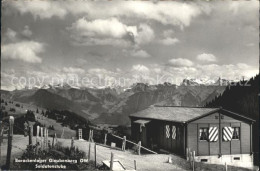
(205, 81)
(113, 104)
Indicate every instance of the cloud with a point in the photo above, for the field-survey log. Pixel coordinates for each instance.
(86, 41)
(73, 70)
(27, 32)
(237, 7)
(41, 9)
(81, 61)
(169, 41)
(140, 68)
(145, 34)
(242, 66)
(109, 32)
(140, 54)
(228, 71)
(161, 12)
(97, 70)
(11, 34)
(26, 51)
(179, 62)
(206, 57)
(168, 38)
(101, 27)
(168, 33)
(101, 32)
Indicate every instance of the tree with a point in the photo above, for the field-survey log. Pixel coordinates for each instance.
(30, 116)
(37, 111)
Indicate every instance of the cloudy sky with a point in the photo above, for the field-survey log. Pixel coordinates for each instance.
(135, 41)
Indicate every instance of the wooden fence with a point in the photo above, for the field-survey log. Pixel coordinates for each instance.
(43, 142)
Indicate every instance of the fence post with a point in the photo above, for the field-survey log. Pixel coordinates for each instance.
(1, 137)
(135, 164)
(37, 148)
(193, 161)
(95, 151)
(190, 158)
(42, 138)
(187, 154)
(30, 134)
(46, 145)
(92, 140)
(56, 139)
(37, 140)
(72, 143)
(62, 134)
(124, 143)
(139, 148)
(111, 161)
(53, 139)
(89, 148)
(89, 135)
(105, 140)
(45, 137)
(225, 166)
(10, 138)
(37, 134)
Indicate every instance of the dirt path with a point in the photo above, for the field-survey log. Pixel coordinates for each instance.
(144, 162)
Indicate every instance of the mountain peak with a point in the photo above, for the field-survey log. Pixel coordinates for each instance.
(204, 81)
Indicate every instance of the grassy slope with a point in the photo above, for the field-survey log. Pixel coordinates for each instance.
(68, 133)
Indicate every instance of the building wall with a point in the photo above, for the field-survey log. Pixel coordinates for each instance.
(156, 133)
(173, 145)
(206, 148)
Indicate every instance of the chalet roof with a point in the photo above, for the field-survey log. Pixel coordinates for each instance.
(179, 113)
(173, 113)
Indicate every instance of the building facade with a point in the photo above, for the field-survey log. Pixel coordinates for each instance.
(216, 135)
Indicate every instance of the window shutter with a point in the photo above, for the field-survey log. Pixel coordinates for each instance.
(167, 131)
(228, 133)
(213, 134)
(174, 132)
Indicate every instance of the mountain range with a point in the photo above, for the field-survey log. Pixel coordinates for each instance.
(112, 105)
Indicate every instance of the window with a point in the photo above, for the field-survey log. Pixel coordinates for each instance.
(203, 134)
(203, 160)
(236, 158)
(236, 133)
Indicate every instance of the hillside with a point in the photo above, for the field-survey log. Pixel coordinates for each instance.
(20, 109)
(241, 98)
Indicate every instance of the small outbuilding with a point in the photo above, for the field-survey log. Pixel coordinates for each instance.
(215, 134)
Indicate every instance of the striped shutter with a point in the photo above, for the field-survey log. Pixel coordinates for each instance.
(174, 132)
(213, 134)
(167, 131)
(228, 133)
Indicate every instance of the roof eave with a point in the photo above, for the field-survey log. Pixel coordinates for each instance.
(238, 115)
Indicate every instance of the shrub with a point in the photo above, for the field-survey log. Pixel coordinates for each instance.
(12, 109)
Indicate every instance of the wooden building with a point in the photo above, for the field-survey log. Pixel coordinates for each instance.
(215, 134)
